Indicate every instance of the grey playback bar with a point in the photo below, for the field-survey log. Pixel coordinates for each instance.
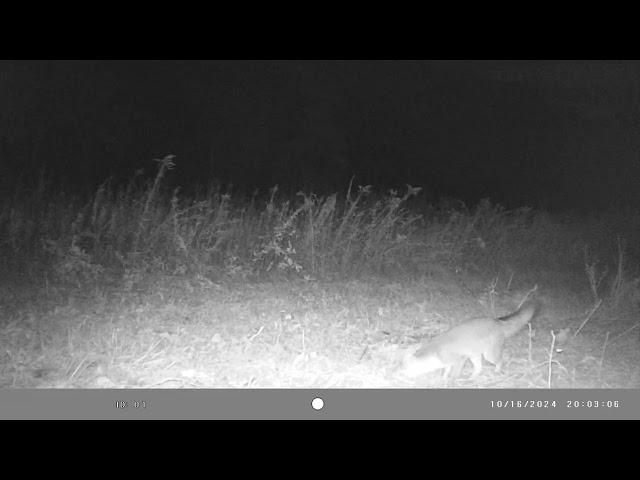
(335, 404)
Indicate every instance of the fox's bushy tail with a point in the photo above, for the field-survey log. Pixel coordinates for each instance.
(518, 319)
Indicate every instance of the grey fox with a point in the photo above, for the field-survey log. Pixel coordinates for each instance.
(474, 339)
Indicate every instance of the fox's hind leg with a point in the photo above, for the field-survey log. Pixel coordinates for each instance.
(477, 365)
(446, 376)
(457, 368)
(494, 355)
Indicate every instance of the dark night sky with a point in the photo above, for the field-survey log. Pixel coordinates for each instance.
(552, 133)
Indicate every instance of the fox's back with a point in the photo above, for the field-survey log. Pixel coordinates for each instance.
(468, 339)
(474, 339)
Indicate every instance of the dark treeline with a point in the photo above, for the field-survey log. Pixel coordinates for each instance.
(519, 133)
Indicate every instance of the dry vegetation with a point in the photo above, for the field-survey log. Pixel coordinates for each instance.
(139, 286)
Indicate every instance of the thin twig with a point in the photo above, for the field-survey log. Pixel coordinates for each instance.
(593, 310)
(530, 335)
(528, 294)
(366, 348)
(250, 340)
(604, 348)
(257, 333)
(625, 332)
(553, 343)
(77, 368)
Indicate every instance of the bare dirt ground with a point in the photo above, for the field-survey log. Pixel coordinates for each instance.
(348, 334)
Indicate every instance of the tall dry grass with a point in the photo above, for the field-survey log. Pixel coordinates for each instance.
(120, 234)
